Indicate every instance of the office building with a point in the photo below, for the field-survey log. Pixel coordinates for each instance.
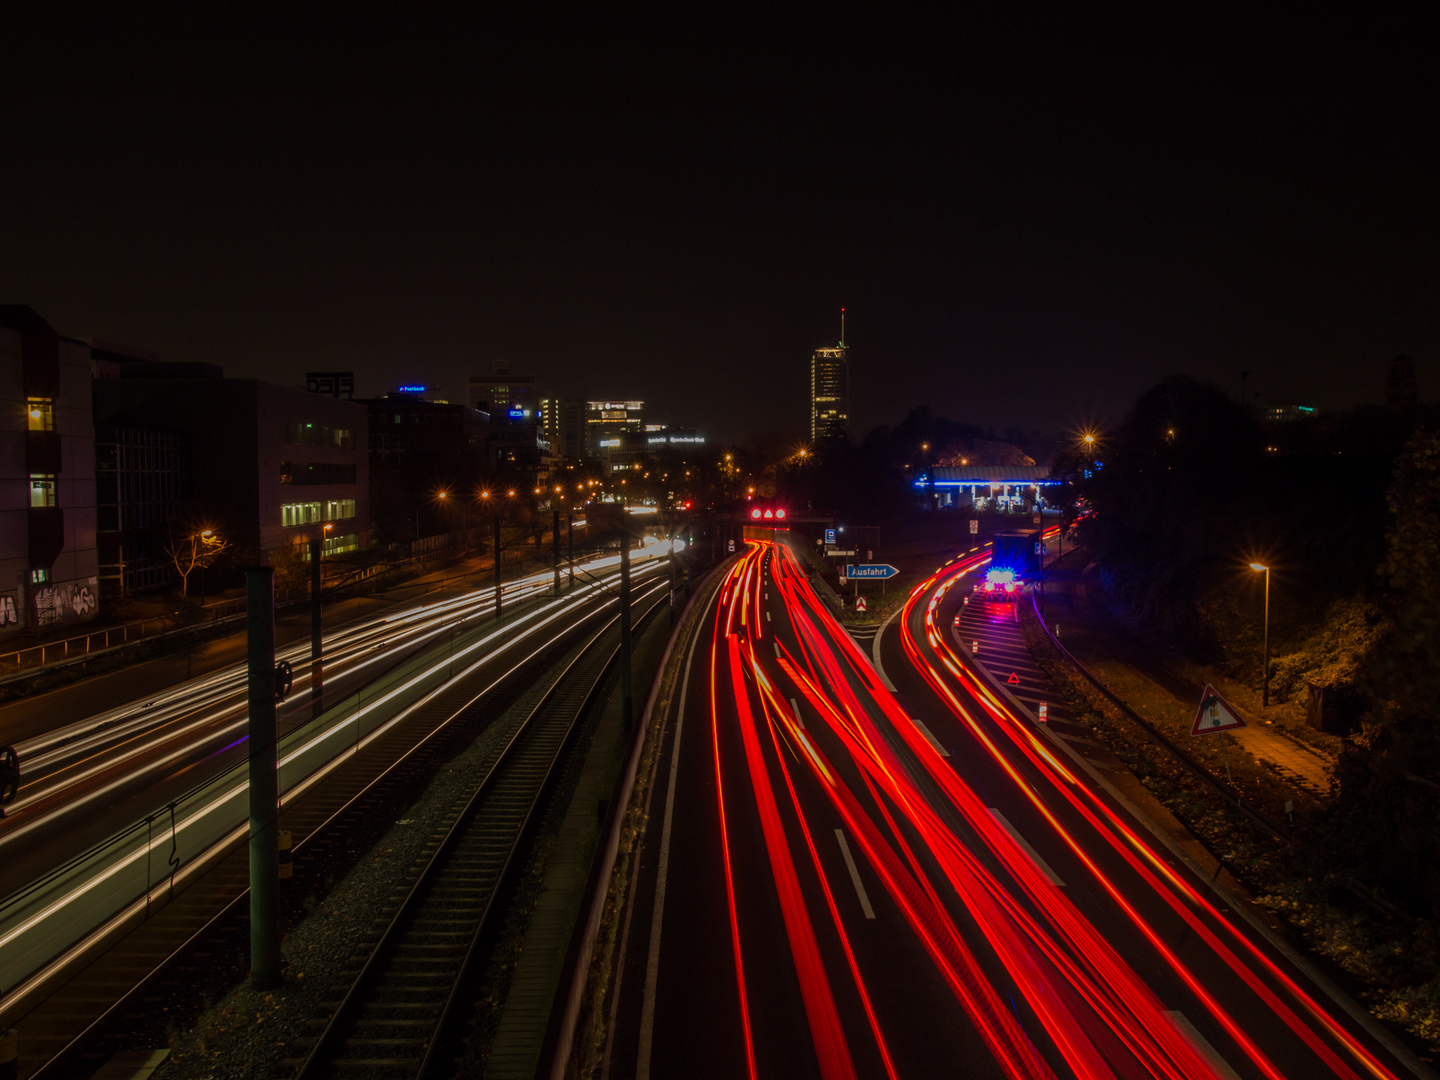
(1286, 412)
(661, 437)
(48, 558)
(270, 466)
(1402, 389)
(503, 392)
(563, 422)
(606, 421)
(830, 390)
(409, 432)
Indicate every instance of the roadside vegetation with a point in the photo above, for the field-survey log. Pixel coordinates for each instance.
(1174, 505)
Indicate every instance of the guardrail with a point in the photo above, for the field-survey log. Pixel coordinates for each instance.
(113, 885)
(51, 653)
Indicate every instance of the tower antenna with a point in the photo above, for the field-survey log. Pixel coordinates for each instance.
(842, 328)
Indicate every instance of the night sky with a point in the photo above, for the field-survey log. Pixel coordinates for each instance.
(1029, 218)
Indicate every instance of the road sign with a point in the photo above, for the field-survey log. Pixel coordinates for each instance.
(1044, 713)
(732, 547)
(1014, 679)
(974, 526)
(871, 571)
(850, 553)
(830, 536)
(860, 604)
(1214, 714)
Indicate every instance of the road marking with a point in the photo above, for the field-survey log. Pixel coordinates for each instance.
(798, 718)
(652, 961)
(875, 651)
(778, 655)
(854, 875)
(767, 616)
(929, 737)
(1219, 1064)
(1043, 866)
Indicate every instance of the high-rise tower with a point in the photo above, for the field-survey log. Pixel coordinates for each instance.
(830, 390)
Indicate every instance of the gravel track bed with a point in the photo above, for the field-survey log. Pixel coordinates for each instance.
(249, 1034)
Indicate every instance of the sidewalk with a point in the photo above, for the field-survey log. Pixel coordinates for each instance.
(1166, 688)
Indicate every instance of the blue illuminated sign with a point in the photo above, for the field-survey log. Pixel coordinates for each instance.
(410, 390)
(519, 414)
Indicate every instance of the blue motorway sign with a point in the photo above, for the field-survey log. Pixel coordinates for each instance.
(870, 570)
(830, 537)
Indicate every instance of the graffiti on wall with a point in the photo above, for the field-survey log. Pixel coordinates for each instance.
(56, 605)
(9, 614)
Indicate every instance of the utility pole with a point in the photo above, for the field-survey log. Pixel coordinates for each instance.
(570, 540)
(626, 693)
(497, 566)
(264, 834)
(674, 574)
(555, 546)
(317, 631)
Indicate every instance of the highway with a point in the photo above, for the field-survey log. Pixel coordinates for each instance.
(841, 879)
(83, 779)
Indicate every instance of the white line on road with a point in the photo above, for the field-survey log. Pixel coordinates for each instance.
(1219, 1064)
(854, 875)
(929, 737)
(652, 961)
(875, 651)
(767, 616)
(798, 718)
(1025, 847)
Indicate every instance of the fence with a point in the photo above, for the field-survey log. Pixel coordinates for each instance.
(114, 884)
(33, 657)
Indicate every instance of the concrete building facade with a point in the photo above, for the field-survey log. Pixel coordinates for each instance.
(272, 464)
(48, 571)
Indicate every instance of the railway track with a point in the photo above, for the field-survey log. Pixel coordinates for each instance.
(330, 825)
(391, 1021)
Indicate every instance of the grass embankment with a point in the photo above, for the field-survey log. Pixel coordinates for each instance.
(1388, 961)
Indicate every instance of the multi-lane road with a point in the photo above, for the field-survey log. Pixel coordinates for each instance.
(867, 863)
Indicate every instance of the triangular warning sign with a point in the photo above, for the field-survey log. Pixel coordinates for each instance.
(1013, 680)
(1214, 714)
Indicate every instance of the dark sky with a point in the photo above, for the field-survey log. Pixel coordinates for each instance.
(1029, 218)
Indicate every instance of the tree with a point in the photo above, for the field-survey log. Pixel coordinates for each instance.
(193, 548)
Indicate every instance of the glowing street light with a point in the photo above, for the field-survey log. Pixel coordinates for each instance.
(1265, 648)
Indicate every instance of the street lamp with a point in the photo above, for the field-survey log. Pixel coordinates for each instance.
(1265, 648)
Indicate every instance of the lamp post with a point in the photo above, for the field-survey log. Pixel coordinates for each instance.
(1265, 648)
(206, 536)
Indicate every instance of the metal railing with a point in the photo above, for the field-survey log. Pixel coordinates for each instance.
(118, 880)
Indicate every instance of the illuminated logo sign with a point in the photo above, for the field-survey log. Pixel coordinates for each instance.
(410, 389)
(519, 414)
(609, 442)
(333, 383)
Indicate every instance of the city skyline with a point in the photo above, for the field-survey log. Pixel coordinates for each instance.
(1027, 224)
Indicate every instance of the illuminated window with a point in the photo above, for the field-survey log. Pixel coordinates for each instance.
(39, 577)
(40, 411)
(42, 489)
(293, 515)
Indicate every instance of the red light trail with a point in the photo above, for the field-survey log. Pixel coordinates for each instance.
(977, 887)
